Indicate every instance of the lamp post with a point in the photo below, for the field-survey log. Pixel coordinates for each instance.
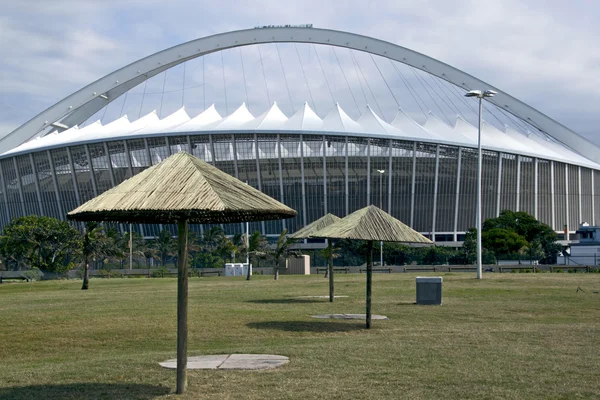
(480, 94)
(381, 172)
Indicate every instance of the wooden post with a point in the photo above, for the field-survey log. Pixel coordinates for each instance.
(330, 265)
(182, 303)
(369, 280)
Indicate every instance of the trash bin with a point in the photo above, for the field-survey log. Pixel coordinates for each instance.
(429, 290)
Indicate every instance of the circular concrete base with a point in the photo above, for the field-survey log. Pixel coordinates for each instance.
(231, 361)
(349, 316)
(320, 297)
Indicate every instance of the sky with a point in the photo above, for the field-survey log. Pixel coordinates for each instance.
(544, 53)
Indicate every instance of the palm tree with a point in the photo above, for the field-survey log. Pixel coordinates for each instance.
(258, 246)
(165, 245)
(137, 242)
(282, 250)
(239, 241)
(96, 245)
(334, 255)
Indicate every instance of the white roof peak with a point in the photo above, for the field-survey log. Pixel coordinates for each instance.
(371, 122)
(338, 121)
(167, 123)
(273, 118)
(205, 118)
(234, 120)
(304, 119)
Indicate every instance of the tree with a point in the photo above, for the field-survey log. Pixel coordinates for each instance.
(96, 245)
(502, 241)
(282, 250)
(258, 246)
(334, 254)
(138, 243)
(165, 246)
(532, 230)
(470, 246)
(396, 253)
(39, 242)
(215, 242)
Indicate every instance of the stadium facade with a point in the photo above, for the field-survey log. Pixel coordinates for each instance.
(314, 165)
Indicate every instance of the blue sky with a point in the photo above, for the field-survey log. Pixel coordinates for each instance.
(542, 52)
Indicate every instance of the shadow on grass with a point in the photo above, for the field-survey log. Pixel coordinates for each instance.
(308, 326)
(286, 301)
(93, 391)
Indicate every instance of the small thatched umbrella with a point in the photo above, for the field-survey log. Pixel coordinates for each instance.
(180, 190)
(371, 224)
(309, 230)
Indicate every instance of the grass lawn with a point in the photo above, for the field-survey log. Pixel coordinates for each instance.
(509, 336)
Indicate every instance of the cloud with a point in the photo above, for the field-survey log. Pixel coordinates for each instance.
(544, 54)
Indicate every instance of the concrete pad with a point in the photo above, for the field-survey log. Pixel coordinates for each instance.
(200, 362)
(231, 361)
(254, 361)
(349, 316)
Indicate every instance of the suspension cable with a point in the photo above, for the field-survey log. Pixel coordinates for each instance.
(450, 105)
(454, 90)
(104, 113)
(486, 108)
(244, 76)
(362, 89)
(262, 67)
(123, 106)
(431, 96)
(368, 86)
(183, 88)
(224, 83)
(162, 95)
(305, 80)
(203, 84)
(324, 74)
(143, 97)
(285, 78)
(346, 80)
(384, 80)
(410, 89)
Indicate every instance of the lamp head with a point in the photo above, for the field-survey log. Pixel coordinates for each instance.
(474, 93)
(381, 171)
(480, 93)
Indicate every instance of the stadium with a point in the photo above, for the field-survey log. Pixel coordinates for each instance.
(422, 170)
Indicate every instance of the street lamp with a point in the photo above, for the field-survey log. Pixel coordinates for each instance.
(480, 94)
(381, 172)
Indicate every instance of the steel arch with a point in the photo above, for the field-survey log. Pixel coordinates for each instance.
(77, 107)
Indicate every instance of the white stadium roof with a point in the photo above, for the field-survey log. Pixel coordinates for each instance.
(305, 120)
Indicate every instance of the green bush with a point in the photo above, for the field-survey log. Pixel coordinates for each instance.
(110, 273)
(33, 274)
(160, 272)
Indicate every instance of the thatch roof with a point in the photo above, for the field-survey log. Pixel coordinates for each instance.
(315, 226)
(371, 223)
(182, 187)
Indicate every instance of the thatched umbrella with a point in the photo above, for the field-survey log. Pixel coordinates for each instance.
(180, 190)
(371, 224)
(309, 230)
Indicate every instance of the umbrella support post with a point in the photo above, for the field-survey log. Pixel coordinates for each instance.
(330, 267)
(182, 305)
(369, 280)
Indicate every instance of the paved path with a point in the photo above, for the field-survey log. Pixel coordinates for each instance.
(231, 361)
(349, 316)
